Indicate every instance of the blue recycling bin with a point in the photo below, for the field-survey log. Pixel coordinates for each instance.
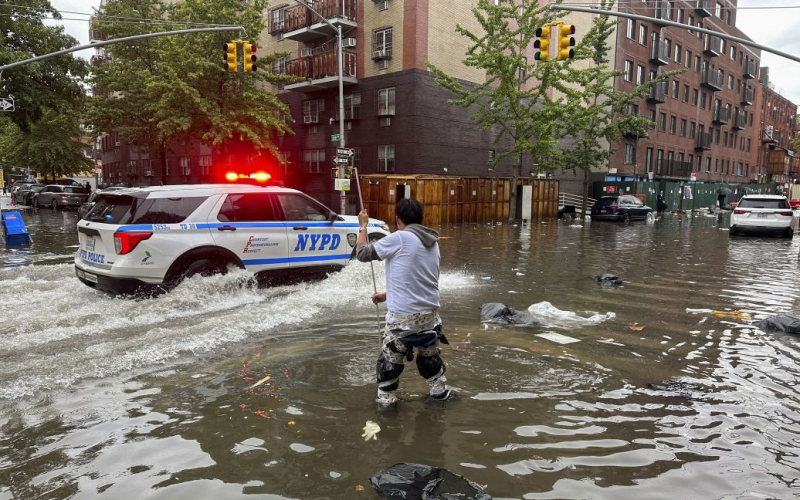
(14, 229)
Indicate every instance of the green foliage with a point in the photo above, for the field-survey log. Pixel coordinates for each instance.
(163, 91)
(49, 147)
(53, 84)
(796, 138)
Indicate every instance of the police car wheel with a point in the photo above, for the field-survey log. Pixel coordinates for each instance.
(202, 267)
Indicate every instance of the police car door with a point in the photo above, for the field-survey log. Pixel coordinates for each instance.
(246, 225)
(313, 238)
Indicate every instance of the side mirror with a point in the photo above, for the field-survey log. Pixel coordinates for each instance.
(333, 217)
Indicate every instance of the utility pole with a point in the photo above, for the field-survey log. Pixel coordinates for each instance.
(340, 58)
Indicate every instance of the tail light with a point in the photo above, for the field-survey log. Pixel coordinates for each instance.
(787, 213)
(126, 242)
(739, 212)
(64, 195)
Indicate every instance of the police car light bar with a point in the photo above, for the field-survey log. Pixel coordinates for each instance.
(257, 176)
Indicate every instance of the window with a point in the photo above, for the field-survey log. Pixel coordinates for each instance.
(382, 47)
(643, 34)
(695, 93)
(631, 31)
(685, 93)
(678, 52)
(651, 115)
(648, 160)
(639, 75)
(386, 158)
(708, 164)
(728, 17)
(688, 59)
(716, 136)
(352, 107)
(699, 163)
(628, 71)
(748, 145)
(276, 20)
(683, 127)
(298, 207)
(703, 98)
(718, 11)
(248, 207)
(386, 102)
(690, 161)
(725, 139)
(730, 82)
(668, 43)
(630, 154)
(313, 161)
(733, 52)
(312, 110)
(697, 64)
(692, 127)
(690, 21)
(672, 122)
(680, 16)
(383, 5)
(675, 89)
(662, 122)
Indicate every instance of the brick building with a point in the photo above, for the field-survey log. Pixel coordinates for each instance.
(706, 121)
(777, 127)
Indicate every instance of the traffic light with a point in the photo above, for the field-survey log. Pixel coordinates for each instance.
(230, 57)
(565, 41)
(543, 44)
(249, 57)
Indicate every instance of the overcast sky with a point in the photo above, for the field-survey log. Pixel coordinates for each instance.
(777, 28)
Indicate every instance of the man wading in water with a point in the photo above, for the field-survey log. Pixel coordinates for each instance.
(412, 295)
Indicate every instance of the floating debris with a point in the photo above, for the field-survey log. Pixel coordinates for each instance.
(261, 381)
(636, 327)
(558, 338)
(371, 431)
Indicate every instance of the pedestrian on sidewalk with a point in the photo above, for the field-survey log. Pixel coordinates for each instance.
(412, 295)
(661, 204)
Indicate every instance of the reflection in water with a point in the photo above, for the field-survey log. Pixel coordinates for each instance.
(152, 397)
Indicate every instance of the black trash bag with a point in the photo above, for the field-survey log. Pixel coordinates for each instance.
(500, 314)
(422, 482)
(782, 323)
(608, 280)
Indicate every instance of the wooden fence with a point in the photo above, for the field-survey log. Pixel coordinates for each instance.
(449, 200)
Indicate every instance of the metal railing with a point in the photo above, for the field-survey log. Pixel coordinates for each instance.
(575, 200)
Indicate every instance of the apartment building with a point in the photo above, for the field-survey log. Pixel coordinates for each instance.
(777, 128)
(705, 119)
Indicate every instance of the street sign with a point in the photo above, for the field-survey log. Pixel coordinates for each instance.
(341, 184)
(345, 152)
(336, 137)
(693, 177)
(7, 103)
(341, 161)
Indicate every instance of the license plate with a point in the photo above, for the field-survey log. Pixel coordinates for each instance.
(90, 243)
(90, 277)
(602, 211)
(80, 274)
(763, 216)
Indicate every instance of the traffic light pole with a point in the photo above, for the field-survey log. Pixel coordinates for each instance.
(340, 58)
(118, 40)
(664, 22)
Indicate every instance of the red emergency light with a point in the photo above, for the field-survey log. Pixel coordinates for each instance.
(256, 176)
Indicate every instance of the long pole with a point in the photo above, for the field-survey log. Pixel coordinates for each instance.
(371, 265)
(340, 58)
(119, 40)
(664, 22)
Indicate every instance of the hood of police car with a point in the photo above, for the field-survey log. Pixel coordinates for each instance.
(377, 223)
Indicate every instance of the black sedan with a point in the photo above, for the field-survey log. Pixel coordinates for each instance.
(623, 207)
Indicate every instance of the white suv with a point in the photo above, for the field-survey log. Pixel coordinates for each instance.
(763, 213)
(149, 239)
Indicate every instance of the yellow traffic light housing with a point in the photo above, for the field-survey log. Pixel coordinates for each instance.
(543, 44)
(231, 64)
(249, 57)
(566, 41)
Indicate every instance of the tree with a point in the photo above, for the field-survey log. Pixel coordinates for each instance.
(50, 147)
(517, 100)
(796, 138)
(598, 115)
(54, 84)
(169, 90)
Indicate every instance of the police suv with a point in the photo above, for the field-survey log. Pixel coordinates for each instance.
(148, 239)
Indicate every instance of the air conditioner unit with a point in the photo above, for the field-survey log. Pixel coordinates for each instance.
(187, 171)
(148, 173)
(769, 131)
(310, 119)
(349, 43)
(116, 144)
(307, 52)
(379, 54)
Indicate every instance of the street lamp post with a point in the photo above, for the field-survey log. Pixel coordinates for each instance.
(340, 58)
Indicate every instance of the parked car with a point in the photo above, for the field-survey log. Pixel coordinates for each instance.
(22, 192)
(84, 209)
(148, 239)
(60, 196)
(765, 214)
(625, 207)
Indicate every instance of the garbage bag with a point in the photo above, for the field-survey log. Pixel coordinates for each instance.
(782, 323)
(608, 280)
(500, 314)
(545, 313)
(416, 481)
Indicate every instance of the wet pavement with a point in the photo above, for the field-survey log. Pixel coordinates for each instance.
(124, 398)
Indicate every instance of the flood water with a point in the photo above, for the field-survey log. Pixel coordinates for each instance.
(121, 398)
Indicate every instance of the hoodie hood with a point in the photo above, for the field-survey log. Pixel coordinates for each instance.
(426, 235)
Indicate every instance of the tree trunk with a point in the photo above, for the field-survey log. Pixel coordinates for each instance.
(512, 210)
(162, 153)
(585, 194)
